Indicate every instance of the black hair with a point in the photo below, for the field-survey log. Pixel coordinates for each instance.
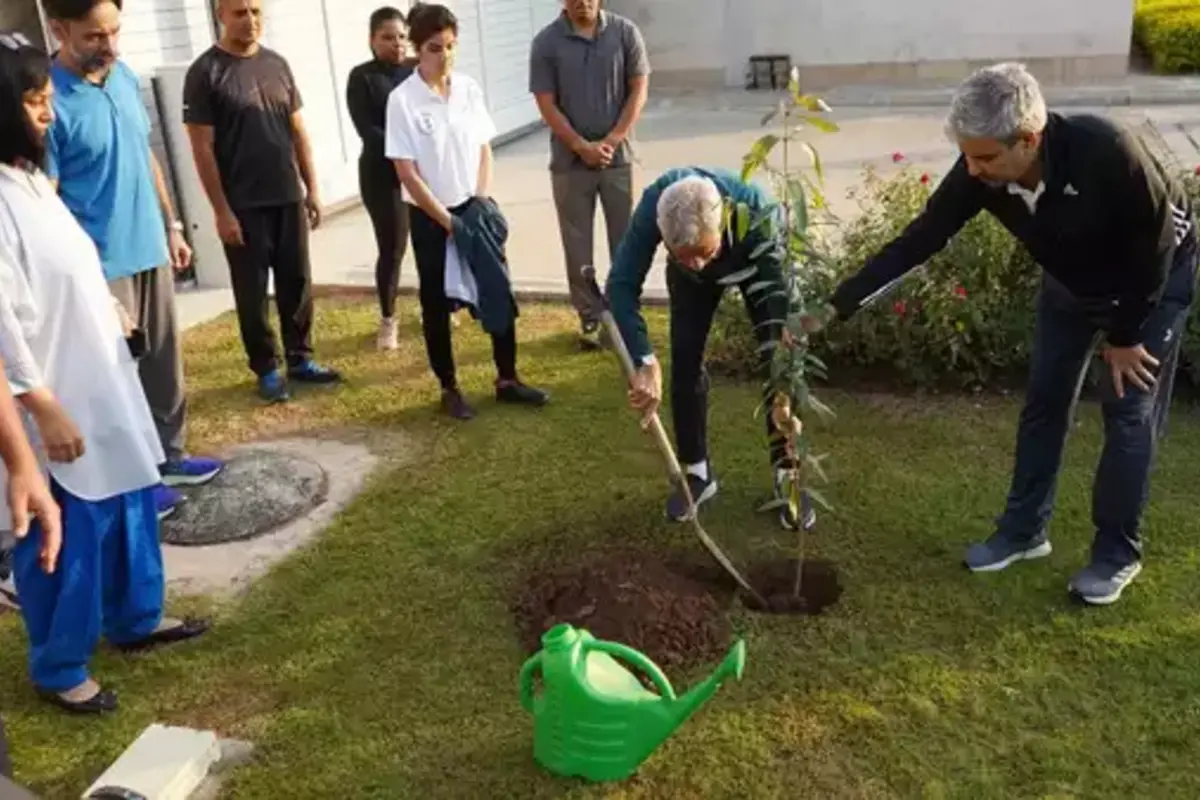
(23, 68)
(427, 20)
(75, 9)
(383, 15)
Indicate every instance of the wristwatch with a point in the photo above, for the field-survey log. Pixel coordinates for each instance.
(176, 226)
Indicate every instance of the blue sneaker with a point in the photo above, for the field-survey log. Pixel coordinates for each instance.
(1101, 584)
(312, 372)
(1001, 551)
(190, 471)
(166, 501)
(273, 388)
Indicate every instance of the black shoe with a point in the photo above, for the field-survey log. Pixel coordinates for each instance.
(103, 701)
(590, 337)
(454, 404)
(518, 393)
(702, 491)
(788, 515)
(186, 629)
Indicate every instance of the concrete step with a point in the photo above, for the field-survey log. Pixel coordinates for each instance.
(164, 763)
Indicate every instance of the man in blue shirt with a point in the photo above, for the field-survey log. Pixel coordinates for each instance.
(98, 151)
(684, 211)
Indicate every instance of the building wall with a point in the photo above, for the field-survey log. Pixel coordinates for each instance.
(709, 42)
(21, 15)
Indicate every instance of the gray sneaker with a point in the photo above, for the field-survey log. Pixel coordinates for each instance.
(1102, 584)
(1000, 551)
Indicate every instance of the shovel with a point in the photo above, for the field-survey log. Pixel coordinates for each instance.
(678, 479)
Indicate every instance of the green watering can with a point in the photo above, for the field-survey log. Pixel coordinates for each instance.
(593, 718)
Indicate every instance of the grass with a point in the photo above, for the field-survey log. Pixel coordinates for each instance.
(382, 661)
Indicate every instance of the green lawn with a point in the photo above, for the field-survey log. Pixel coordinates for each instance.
(382, 662)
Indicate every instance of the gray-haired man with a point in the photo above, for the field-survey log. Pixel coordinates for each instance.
(589, 72)
(1116, 239)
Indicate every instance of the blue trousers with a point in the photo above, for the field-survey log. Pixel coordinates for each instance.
(1067, 333)
(109, 580)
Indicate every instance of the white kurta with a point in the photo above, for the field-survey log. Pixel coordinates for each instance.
(60, 330)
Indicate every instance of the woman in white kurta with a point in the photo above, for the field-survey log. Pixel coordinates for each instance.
(438, 135)
(62, 338)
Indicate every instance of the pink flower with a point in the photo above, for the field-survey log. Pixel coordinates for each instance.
(897, 157)
(960, 292)
(900, 308)
(925, 178)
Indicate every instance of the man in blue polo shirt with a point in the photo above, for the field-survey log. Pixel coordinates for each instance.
(99, 153)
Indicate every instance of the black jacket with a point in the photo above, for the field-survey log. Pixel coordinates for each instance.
(480, 232)
(1106, 226)
(367, 91)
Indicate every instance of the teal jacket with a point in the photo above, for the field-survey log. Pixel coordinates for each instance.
(635, 254)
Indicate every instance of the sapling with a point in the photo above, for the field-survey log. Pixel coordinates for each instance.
(792, 236)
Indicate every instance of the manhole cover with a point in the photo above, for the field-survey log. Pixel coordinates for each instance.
(256, 493)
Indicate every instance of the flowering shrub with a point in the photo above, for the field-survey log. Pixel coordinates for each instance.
(963, 320)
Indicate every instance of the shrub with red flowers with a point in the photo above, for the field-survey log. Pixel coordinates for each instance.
(963, 320)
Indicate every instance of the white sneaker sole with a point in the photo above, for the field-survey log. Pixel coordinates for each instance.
(1108, 599)
(1041, 551)
(709, 492)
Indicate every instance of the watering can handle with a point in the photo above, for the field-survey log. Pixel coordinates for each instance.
(525, 681)
(637, 660)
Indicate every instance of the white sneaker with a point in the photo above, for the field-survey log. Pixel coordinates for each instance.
(388, 338)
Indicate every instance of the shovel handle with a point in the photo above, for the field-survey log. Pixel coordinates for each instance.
(627, 366)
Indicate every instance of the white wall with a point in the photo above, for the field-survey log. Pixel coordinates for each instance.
(697, 35)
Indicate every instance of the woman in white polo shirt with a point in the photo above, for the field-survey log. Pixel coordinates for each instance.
(66, 357)
(439, 136)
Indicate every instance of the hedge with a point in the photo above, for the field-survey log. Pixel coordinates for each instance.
(1169, 32)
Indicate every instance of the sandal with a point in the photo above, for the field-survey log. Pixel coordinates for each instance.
(104, 701)
(187, 629)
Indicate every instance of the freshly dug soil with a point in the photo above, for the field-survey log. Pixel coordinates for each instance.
(631, 598)
(775, 581)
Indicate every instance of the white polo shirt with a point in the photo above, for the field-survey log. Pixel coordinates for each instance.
(443, 135)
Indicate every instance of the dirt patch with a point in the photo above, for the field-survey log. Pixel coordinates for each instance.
(673, 618)
(820, 587)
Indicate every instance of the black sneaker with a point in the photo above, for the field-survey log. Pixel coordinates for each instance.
(519, 394)
(702, 491)
(454, 404)
(787, 515)
(589, 336)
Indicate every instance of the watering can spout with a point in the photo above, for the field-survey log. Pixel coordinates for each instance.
(731, 667)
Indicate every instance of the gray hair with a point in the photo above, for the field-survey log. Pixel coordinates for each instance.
(688, 209)
(1001, 102)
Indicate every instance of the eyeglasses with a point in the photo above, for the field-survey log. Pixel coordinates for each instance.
(14, 41)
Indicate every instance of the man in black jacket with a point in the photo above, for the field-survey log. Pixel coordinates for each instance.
(1116, 239)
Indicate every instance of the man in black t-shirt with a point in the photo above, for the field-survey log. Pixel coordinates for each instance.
(242, 111)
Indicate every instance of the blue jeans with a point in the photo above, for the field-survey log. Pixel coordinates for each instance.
(1065, 338)
(109, 580)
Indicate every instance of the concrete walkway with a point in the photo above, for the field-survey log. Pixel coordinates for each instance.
(713, 129)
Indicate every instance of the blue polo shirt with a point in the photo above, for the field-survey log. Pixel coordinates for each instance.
(99, 151)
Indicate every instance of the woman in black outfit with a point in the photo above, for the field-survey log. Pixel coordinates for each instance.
(367, 91)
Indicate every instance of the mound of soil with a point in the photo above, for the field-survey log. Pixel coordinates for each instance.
(776, 582)
(631, 598)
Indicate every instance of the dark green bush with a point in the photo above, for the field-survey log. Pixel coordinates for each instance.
(1169, 32)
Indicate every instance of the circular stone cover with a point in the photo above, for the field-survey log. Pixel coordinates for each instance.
(256, 493)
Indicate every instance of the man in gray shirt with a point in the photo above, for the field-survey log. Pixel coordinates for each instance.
(589, 72)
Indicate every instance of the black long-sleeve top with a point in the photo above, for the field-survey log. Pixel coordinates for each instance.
(367, 90)
(1106, 224)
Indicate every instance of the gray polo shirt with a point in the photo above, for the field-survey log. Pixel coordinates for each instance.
(589, 79)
